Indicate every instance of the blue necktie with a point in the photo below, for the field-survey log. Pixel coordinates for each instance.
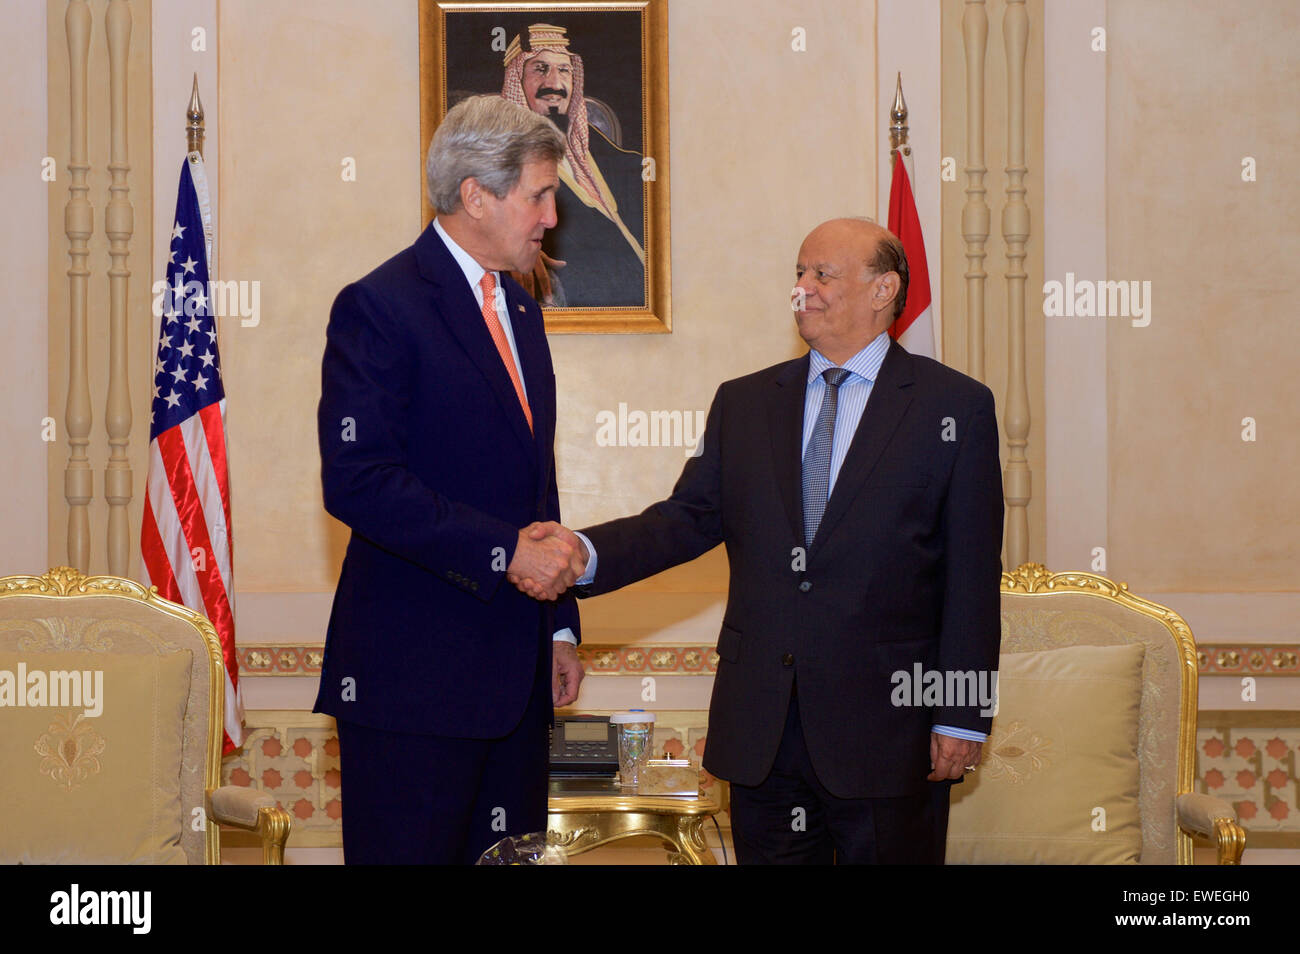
(817, 459)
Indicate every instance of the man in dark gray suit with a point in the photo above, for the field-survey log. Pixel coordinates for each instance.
(857, 490)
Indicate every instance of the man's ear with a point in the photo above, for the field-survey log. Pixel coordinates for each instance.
(471, 197)
(886, 291)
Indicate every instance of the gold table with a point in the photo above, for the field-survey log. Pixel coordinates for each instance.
(578, 823)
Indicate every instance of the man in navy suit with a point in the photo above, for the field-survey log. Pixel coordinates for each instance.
(437, 423)
(858, 493)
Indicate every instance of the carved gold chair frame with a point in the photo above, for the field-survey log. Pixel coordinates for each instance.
(226, 805)
(1196, 813)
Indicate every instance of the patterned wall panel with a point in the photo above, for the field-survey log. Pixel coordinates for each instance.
(1250, 759)
(294, 757)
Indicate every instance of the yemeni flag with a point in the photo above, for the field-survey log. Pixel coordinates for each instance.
(914, 328)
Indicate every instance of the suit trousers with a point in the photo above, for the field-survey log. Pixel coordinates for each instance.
(790, 817)
(428, 799)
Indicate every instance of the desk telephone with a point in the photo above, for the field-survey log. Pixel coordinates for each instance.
(583, 746)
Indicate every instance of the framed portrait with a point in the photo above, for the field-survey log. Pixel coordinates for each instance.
(599, 72)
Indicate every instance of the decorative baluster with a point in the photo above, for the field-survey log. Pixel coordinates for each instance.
(1016, 479)
(79, 219)
(975, 214)
(119, 225)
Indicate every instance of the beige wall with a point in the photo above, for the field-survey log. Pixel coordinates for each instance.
(1187, 506)
(23, 266)
(1192, 88)
(304, 86)
(1074, 240)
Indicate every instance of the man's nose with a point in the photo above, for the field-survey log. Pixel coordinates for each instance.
(549, 219)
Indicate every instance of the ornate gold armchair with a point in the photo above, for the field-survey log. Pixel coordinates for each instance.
(112, 699)
(1092, 753)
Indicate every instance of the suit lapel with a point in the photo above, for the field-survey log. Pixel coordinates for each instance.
(890, 397)
(785, 416)
(456, 305)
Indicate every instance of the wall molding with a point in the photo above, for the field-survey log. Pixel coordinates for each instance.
(304, 659)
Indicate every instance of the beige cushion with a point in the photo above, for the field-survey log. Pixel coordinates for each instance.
(1063, 745)
(102, 789)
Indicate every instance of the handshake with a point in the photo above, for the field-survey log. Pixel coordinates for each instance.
(548, 560)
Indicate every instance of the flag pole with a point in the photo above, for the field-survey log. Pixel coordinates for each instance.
(194, 121)
(187, 512)
(915, 328)
(195, 132)
(898, 125)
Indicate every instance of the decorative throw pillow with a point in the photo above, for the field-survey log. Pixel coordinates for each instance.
(1058, 782)
(91, 750)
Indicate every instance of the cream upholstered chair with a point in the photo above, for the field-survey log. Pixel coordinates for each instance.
(112, 699)
(1092, 753)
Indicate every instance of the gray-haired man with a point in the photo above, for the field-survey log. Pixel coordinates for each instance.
(436, 421)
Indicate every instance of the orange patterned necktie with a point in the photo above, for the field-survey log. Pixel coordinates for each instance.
(489, 285)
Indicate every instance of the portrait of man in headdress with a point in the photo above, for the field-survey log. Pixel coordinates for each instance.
(600, 77)
(595, 256)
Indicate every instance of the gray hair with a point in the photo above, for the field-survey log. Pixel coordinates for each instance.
(888, 257)
(487, 138)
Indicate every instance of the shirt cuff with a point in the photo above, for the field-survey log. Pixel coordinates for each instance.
(565, 636)
(590, 575)
(970, 735)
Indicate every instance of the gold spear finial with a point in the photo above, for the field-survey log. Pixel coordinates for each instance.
(194, 120)
(898, 122)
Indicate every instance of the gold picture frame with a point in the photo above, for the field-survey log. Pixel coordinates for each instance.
(463, 45)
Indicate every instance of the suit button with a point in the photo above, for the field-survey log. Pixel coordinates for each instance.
(787, 659)
(805, 586)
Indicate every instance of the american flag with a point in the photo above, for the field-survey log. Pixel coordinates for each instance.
(185, 538)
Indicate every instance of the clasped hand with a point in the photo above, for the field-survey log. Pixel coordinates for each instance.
(548, 560)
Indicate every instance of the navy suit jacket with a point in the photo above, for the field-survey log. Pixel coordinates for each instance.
(904, 569)
(427, 457)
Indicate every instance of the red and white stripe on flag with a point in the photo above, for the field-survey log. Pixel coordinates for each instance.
(914, 328)
(185, 538)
